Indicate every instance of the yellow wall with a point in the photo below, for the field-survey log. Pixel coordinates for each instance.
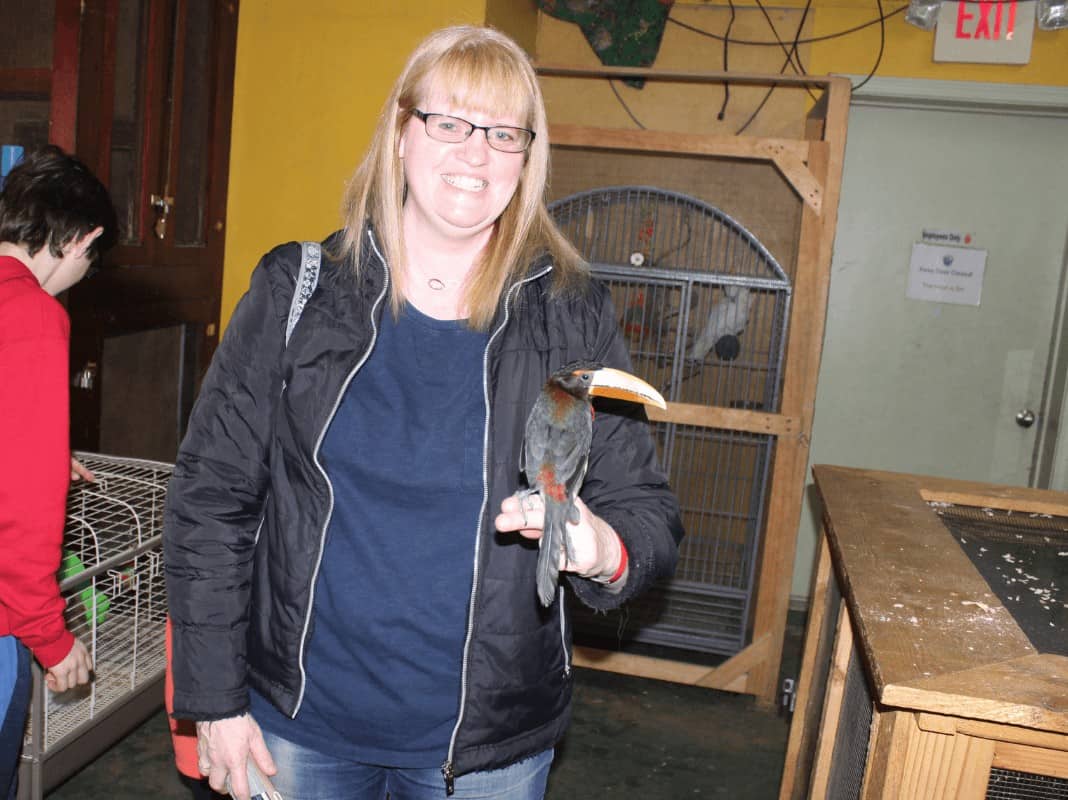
(518, 18)
(311, 79)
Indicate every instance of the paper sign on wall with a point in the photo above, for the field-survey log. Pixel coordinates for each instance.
(944, 274)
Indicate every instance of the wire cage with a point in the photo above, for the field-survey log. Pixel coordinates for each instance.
(705, 308)
(111, 577)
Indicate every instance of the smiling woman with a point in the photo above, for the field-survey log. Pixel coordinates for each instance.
(458, 185)
(375, 627)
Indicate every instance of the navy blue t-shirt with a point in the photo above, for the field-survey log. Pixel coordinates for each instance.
(404, 454)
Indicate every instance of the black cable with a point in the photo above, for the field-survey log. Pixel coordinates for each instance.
(792, 52)
(797, 49)
(623, 103)
(775, 33)
(881, 19)
(789, 60)
(882, 44)
(726, 44)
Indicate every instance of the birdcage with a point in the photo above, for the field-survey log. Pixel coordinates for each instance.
(704, 307)
(111, 577)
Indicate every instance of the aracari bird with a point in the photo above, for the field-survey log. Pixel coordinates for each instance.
(556, 448)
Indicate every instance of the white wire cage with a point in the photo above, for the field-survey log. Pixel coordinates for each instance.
(111, 576)
(704, 307)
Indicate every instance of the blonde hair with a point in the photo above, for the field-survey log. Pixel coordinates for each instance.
(484, 70)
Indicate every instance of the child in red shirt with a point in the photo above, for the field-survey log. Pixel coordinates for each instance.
(55, 219)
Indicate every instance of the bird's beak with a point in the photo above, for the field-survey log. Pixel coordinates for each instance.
(616, 383)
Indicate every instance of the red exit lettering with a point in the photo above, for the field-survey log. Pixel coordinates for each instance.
(989, 15)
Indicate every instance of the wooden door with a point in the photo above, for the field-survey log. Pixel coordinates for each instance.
(156, 91)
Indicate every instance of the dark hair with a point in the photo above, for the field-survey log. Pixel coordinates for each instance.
(51, 198)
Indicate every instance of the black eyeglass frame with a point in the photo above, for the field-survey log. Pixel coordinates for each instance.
(424, 116)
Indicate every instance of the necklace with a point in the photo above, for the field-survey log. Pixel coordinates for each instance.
(438, 284)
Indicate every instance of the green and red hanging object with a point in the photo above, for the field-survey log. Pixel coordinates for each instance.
(623, 33)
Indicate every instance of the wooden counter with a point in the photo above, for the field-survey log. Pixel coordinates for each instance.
(917, 682)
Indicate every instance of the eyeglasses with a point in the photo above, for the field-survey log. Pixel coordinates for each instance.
(505, 138)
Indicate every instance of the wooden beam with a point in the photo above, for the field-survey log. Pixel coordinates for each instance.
(727, 418)
(788, 155)
(801, 732)
(728, 676)
(676, 143)
(832, 708)
(801, 178)
(63, 112)
(1013, 734)
(804, 348)
(25, 84)
(732, 675)
(1047, 503)
(660, 669)
(1036, 760)
(684, 76)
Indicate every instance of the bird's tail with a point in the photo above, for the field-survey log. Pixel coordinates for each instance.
(553, 543)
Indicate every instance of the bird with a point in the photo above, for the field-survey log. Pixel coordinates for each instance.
(556, 448)
(728, 317)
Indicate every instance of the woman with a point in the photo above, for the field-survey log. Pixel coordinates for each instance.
(351, 576)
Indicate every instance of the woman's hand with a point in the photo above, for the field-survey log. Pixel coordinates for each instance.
(596, 548)
(224, 747)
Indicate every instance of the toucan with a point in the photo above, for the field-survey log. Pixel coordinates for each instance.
(556, 450)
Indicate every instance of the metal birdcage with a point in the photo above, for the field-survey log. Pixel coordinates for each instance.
(111, 576)
(705, 308)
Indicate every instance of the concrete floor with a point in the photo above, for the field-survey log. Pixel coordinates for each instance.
(631, 737)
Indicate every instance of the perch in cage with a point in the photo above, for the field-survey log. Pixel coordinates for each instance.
(705, 308)
(111, 578)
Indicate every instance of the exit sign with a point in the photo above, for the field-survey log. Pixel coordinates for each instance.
(993, 32)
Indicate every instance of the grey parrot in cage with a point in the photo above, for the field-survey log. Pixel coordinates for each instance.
(725, 322)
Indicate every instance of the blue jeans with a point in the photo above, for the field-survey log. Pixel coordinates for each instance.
(304, 774)
(16, 690)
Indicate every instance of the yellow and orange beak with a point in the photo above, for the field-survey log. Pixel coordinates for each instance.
(620, 385)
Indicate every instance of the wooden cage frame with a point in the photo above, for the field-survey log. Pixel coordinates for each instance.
(812, 167)
(955, 687)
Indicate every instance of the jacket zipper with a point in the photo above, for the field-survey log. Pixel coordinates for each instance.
(447, 768)
(329, 485)
(561, 599)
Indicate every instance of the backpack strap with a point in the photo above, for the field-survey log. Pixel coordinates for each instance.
(307, 279)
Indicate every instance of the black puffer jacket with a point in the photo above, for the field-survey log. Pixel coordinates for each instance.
(249, 505)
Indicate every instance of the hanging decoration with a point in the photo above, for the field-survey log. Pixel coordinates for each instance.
(623, 33)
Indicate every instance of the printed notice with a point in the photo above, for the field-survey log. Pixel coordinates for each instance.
(944, 274)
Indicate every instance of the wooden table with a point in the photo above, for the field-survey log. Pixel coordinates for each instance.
(917, 682)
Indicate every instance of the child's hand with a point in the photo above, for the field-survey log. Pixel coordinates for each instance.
(79, 471)
(73, 670)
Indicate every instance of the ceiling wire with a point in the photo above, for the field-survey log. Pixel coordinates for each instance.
(791, 53)
(622, 102)
(827, 37)
(726, 44)
(788, 62)
(882, 46)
